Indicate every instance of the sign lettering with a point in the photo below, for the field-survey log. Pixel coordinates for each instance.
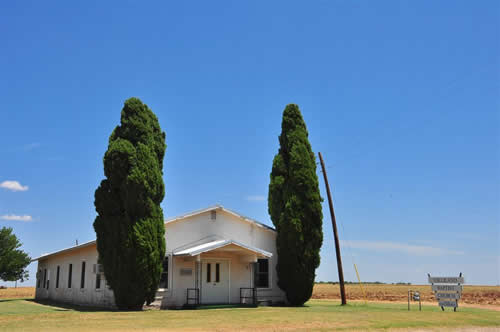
(446, 288)
(448, 304)
(452, 296)
(446, 280)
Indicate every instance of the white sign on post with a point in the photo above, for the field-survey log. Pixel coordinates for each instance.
(448, 291)
(453, 296)
(446, 288)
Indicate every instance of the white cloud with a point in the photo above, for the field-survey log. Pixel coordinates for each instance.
(13, 185)
(13, 217)
(256, 198)
(394, 246)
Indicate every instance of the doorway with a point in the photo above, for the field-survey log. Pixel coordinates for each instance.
(215, 281)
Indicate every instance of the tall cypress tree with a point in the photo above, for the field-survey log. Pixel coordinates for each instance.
(129, 224)
(294, 204)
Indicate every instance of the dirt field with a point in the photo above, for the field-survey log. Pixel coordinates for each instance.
(19, 292)
(484, 295)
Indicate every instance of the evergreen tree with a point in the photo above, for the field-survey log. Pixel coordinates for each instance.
(13, 261)
(129, 224)
(294, 204)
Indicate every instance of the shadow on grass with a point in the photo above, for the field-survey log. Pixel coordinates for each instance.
(9, 300)
(235, 306)
(71, 307)
(217, 306)
(63, 306)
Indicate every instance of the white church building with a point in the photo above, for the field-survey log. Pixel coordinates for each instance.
(213, 256)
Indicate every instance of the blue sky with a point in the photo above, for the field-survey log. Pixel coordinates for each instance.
(401, 98)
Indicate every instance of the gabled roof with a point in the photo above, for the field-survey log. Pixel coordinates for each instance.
(83, 245)
(220, 208)
(194, 213)
(209, 246)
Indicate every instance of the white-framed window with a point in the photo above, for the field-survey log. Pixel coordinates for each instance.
(70, 274)
(45, 278)
(213, 277)
(82, 278)
(261, 273)
(97, 281)
(98, 271)
(164, 274)
(57, 276)
(39, 278)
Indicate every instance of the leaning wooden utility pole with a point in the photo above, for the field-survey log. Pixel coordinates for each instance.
(335, 234)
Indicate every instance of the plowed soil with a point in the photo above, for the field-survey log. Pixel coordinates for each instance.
(16, 293)
(484, 295)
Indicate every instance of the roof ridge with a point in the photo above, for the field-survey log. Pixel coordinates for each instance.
(220, 206)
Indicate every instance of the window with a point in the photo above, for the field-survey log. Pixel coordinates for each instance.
(164, 274)
(209, 272)
(82, 279)
(44, 278)
(97, 269)
(262, 273)
(39, 278)
(70, 273)
(217, 272)
(57, 277)
(213, 215)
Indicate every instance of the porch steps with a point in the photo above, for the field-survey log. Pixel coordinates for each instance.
(160, 294)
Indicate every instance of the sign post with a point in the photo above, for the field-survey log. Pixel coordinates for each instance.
(415, 296)
(448, 290)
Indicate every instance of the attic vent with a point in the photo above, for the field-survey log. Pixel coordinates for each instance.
(213, 215)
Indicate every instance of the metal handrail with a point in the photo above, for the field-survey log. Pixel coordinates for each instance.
(253, 297)
(196, 297)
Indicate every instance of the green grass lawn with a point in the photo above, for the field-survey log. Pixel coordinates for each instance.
(319, 315)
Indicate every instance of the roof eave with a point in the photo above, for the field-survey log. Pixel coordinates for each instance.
(224, 244)
(80, 246)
